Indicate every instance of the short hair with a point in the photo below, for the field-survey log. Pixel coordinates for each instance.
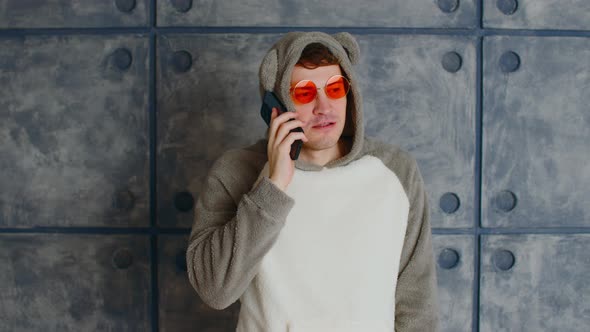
(315, 55)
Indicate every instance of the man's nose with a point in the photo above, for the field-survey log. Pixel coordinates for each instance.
(322, 102)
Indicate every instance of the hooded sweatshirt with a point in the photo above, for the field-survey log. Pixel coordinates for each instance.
(346, 247)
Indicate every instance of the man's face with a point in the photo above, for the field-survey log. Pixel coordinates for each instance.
(321, 110)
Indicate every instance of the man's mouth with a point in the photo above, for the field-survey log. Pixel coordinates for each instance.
(324, 125)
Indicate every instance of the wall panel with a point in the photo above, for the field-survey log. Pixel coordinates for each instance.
(74, 282)
(74, 147)
(419, 94)
(73, 13)
(535, 132)
(535, 283)
(208, 102)
(537, 14)
(329, 13)
(455, 272)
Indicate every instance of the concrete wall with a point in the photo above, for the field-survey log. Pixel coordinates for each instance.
(111, 113)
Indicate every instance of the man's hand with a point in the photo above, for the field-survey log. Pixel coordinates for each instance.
(281, 167)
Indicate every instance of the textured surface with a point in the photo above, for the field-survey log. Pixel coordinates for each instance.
(79, 83)
(74, 148)
(412, 101)
(72, 13)
(455, 281)
(329, 13)
(547, 289)
(535, 132)
(74, 282)
(539, 14)
(181, 309)
(213, 106)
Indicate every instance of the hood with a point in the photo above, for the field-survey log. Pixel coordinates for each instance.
(275, 75)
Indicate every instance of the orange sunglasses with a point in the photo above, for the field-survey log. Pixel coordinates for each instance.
(306, 91)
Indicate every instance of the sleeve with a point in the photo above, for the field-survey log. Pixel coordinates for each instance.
(227, 242)
(416, 292)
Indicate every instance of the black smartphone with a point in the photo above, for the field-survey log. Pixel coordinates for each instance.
(269, 101)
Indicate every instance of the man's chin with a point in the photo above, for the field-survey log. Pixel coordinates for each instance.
(321, 144)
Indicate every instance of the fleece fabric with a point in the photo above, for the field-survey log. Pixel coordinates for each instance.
(347, 247)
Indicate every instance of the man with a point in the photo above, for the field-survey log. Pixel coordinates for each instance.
(338, 240)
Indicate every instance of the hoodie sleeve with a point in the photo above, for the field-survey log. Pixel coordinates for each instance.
(416, 293)
(232, 232)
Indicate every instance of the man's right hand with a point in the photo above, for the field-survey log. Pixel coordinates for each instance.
(281, 166)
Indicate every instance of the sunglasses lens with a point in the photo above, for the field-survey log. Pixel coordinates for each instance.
(337, 87)
(304, 92)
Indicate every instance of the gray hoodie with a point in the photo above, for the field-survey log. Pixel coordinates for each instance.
(347, 247)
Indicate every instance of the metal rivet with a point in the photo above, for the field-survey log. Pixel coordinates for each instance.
(122, 258)
(125, 6)
(452, 62)
(182, 6)
(182, 61)
(124, 200)
(122, 58)
(508, 7)
(448, 258)
(449, 203)
(505, 201)
(509, 62)
(183, 201)
(181, 261)
(448, 6)
(503, 260)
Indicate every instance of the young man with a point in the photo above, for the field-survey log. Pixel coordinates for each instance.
(338, 240)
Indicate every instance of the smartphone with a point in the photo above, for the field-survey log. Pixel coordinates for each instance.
(269, 101)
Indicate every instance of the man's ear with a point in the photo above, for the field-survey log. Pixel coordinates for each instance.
(350, 45)
(268, 70)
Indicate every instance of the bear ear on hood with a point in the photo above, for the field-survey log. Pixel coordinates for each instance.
(268, 70)
(350, 45)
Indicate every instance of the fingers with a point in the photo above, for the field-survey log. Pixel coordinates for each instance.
(285, 128)
(277, 120)
(285, 145)
(271, 134)
(281, 125)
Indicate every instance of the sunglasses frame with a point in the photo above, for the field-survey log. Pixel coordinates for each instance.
(292, 89)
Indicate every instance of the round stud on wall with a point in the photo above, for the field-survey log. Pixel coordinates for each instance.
(505, 201)
(448, 258)
(181, 61)
(507, 7)
(449, 203)
(509, 62)
(122, 58)
(182, 6)
(183, 201)
(181, 260)
(126, 6)
(448, 6)
(503, 259)
(452, 62)
(124, 200)
(122, 258)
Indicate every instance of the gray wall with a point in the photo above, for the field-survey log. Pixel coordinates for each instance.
(113, 111)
